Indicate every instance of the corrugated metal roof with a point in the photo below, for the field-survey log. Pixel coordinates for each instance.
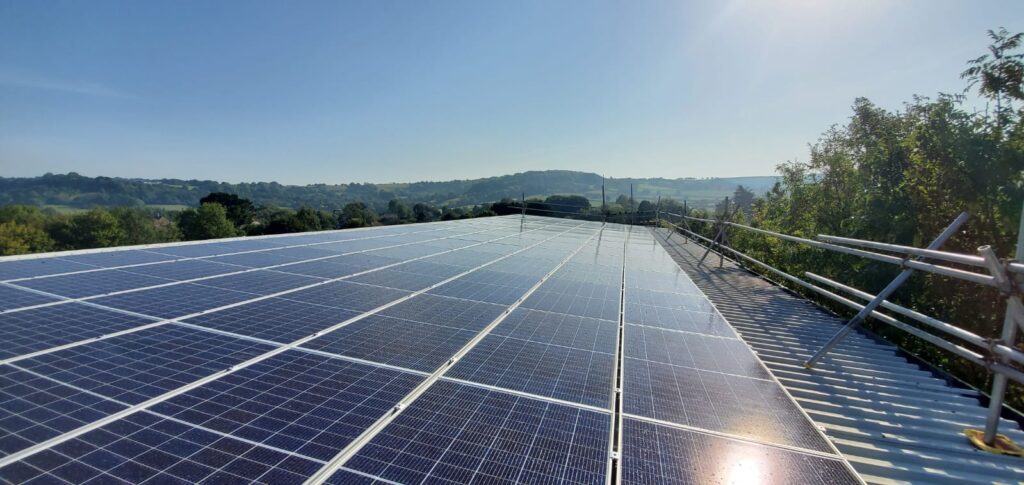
(895, 420)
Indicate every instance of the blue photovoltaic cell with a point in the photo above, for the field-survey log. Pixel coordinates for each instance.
(691, 302)
(305, 252)
(393, 278)
(463, 434)
(546, 370)
(349, 296)
(560, 329)
(184, 270)
(255, 260)
(676, 281)
(146, 448)
(216, 248)
(751, 408)
(27, 268)
(261, 282)
(727, 355)
(11, 297)
(549, 354)
(138, 366)
(329, 269)
(275, 319)
(595, 301)
(27, 331)
(461, 314)
(111, 259)
(304, 403)
(662, 454)
(81, 285)
(34, 409)
(468, 290)
(405, 343)
(677, 319)
(174, 301)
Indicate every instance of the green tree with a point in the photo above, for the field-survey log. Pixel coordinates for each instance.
(357, 214)
(97, 228)
(18, 238)
(423, 212)
(240, 211)
(209, 221)
(140, 227)
(999, 75)
(400, 211)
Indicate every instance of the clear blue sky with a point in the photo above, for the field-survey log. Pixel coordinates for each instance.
(378, 91)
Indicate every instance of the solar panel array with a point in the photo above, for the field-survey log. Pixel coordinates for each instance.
(479, 351)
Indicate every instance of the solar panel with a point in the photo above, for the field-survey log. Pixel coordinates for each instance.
(11, 297)
(28, 268)
(463, 434)
(27, 331)
(146, 448)
(34, 409)
(134, 367)
(307, 404)
(113, 259)
(663, 454)
(393, 341)
(275, 319)
(547, 354)
(173, 301)
(239, 361)
(81, 285)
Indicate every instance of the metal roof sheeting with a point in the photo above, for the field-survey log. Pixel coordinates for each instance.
(895, 420)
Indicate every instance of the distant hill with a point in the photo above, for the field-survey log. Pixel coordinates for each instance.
(79, 192)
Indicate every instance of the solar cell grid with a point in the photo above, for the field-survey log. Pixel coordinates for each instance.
(727, 355)
(304, 252)
(216, 248)
(134, 367)
(347, 295)
(11, 297)
(691, 302)
(260, 283)
(329, 269)
(255, 260)
(146, 448)
(542, 369)
(463, 434)
(751, 408)
(678, 319)
(34, 409)
(490, 293)
(409, 344)
(461, 314)
(595, 301)
(294, 412)
(403, 253)
(676, 282)
(299, 402)
(108, 259)
(662, 454)
(275, 319)
(402, 280)
(93, 283)
(173, 301)
(559, 329)
(28, 268)
(27, 331)
(184, 270)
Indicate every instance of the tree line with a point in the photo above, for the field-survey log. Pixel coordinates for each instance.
(29, 229)
(77, 191)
